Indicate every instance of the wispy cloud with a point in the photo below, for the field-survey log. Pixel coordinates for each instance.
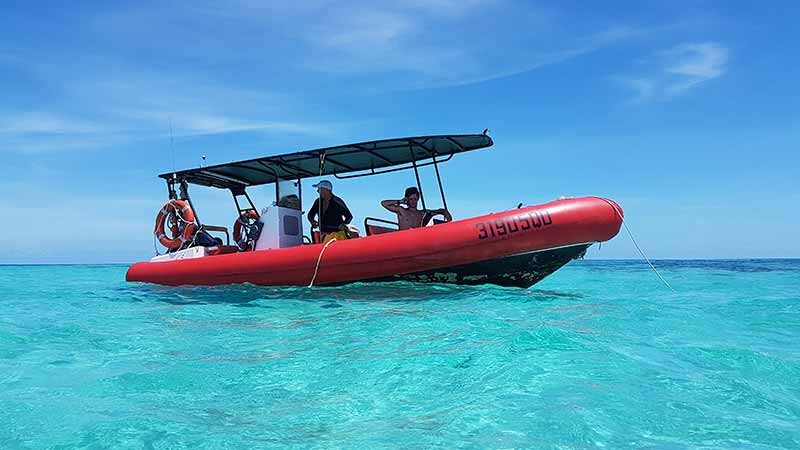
(535, 61)
(190, 123)
(450, 8)
(677, 70)
(45, 123)
(142, 108)
(696, 63)
(37, 132)
(151, 104)
(239, 66)
(424, 43)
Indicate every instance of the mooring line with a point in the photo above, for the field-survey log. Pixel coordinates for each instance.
(622, 218)
(316, 269)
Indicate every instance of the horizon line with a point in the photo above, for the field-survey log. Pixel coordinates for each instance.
(770, 258)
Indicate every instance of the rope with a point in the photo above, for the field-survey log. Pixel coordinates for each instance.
(616, 210)
(177, 211)
(155, 247)
(316, 269)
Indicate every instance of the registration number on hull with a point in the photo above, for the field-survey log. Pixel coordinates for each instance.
(514, 224)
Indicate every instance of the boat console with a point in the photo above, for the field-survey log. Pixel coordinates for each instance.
(283, 227)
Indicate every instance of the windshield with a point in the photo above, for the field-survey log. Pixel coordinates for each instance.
(289, 194)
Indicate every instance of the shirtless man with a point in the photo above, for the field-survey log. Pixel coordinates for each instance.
(409, 216)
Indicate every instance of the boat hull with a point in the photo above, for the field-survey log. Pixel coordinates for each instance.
(512, 248)
(521, 271)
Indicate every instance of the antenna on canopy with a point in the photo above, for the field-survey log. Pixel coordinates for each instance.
(204, 160)
(172, 144)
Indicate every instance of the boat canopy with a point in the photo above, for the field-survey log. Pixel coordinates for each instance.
(369, 158)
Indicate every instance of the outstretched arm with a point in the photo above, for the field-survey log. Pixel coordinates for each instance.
(393, 205)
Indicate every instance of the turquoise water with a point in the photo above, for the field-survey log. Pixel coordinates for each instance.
(600, 355)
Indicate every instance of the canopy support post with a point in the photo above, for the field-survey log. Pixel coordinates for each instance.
(416, 174)
(236, 202)
(185, 196)
(236, 192)
(439, 179)
(319, 198)
(171, 189)
(252, 205)
(300, 192)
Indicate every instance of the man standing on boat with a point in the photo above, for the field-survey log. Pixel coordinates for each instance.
(334, 211)
(409, 216)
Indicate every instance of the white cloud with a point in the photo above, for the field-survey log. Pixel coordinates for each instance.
(143, 108)
(361, 46)
(38, 132)
(45, 123)
(367, 31)
(192, 123)
(153, 105)
(677, 70)
(644, 87)
(372, 40)
(706, 60)
(535, 61)
(421, 43)
(450, 8)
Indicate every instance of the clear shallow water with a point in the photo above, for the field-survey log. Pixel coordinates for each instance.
(599, 355)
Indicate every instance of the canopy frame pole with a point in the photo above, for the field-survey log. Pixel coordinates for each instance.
(439, 179)
(277, 183)
(171, 189)
(236, 192)
(236, 202)
(396, 169)
(416, 174)
(185, 196)
(300, 192)
(247, 196)
(319, 197)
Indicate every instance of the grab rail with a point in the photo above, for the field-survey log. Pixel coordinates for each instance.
(388, 222)
(217, 229)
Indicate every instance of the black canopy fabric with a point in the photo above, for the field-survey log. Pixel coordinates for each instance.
(365, 156)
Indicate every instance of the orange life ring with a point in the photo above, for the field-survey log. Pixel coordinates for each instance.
(174, 211)
(240, 223)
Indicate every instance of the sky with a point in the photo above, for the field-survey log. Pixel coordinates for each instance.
(687, 113)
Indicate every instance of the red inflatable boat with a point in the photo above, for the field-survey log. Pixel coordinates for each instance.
(518, 247)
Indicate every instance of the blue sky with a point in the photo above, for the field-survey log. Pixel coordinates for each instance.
(686, 113)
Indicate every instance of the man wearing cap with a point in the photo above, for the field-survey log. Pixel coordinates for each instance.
(334, 211)
(409, 216)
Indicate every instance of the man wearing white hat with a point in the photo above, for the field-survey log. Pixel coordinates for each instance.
(334, 211)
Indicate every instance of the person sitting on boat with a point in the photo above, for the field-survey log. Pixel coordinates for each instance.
(334, 211)
(409, 216)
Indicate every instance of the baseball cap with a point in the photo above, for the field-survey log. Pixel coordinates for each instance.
(324, 184)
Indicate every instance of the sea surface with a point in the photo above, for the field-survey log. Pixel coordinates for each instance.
(598, 356)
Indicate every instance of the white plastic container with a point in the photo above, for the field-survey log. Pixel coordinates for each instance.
(191, 252)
